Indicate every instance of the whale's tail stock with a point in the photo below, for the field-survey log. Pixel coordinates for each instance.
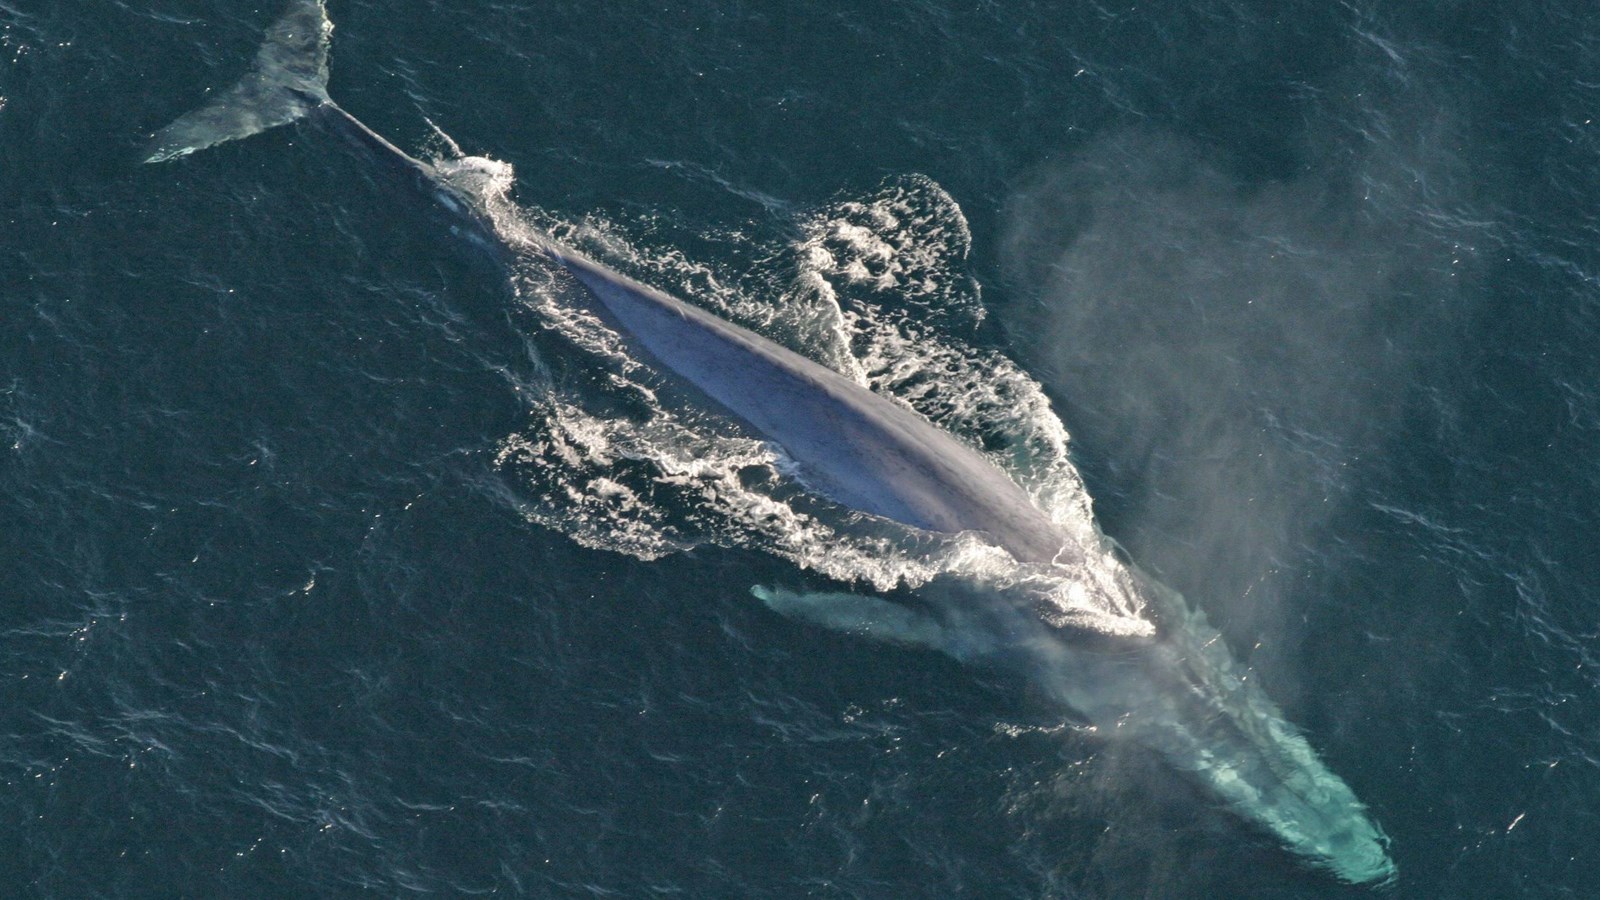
(288, 80)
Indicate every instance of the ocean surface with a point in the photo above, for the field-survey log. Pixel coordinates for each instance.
(335, 562)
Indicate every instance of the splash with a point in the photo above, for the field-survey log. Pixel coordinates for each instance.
(875, 288)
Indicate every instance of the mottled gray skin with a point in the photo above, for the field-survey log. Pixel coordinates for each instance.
(853, 446)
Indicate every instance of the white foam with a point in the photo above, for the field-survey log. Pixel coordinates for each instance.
(488, 179)
(874, 287)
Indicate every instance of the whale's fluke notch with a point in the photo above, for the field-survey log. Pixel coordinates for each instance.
(288, 80)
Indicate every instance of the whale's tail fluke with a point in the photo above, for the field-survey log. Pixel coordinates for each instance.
(289, 79)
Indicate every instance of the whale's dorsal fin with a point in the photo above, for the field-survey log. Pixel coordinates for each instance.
(288, 80)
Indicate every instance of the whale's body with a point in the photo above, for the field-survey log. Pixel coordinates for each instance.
(852, 445)
(1180, 694)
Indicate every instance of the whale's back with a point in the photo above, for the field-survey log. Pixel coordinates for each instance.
(853, 446)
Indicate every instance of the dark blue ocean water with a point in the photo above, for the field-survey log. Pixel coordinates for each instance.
(328, 567)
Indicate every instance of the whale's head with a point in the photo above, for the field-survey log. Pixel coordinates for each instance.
(1182, 694)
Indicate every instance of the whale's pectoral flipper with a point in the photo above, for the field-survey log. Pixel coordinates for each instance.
(854, 614)
(289, 79)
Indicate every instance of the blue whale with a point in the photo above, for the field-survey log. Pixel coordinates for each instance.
(1173, 688)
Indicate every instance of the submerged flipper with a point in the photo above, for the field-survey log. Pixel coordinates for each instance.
(854, 614)
(290, 78)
